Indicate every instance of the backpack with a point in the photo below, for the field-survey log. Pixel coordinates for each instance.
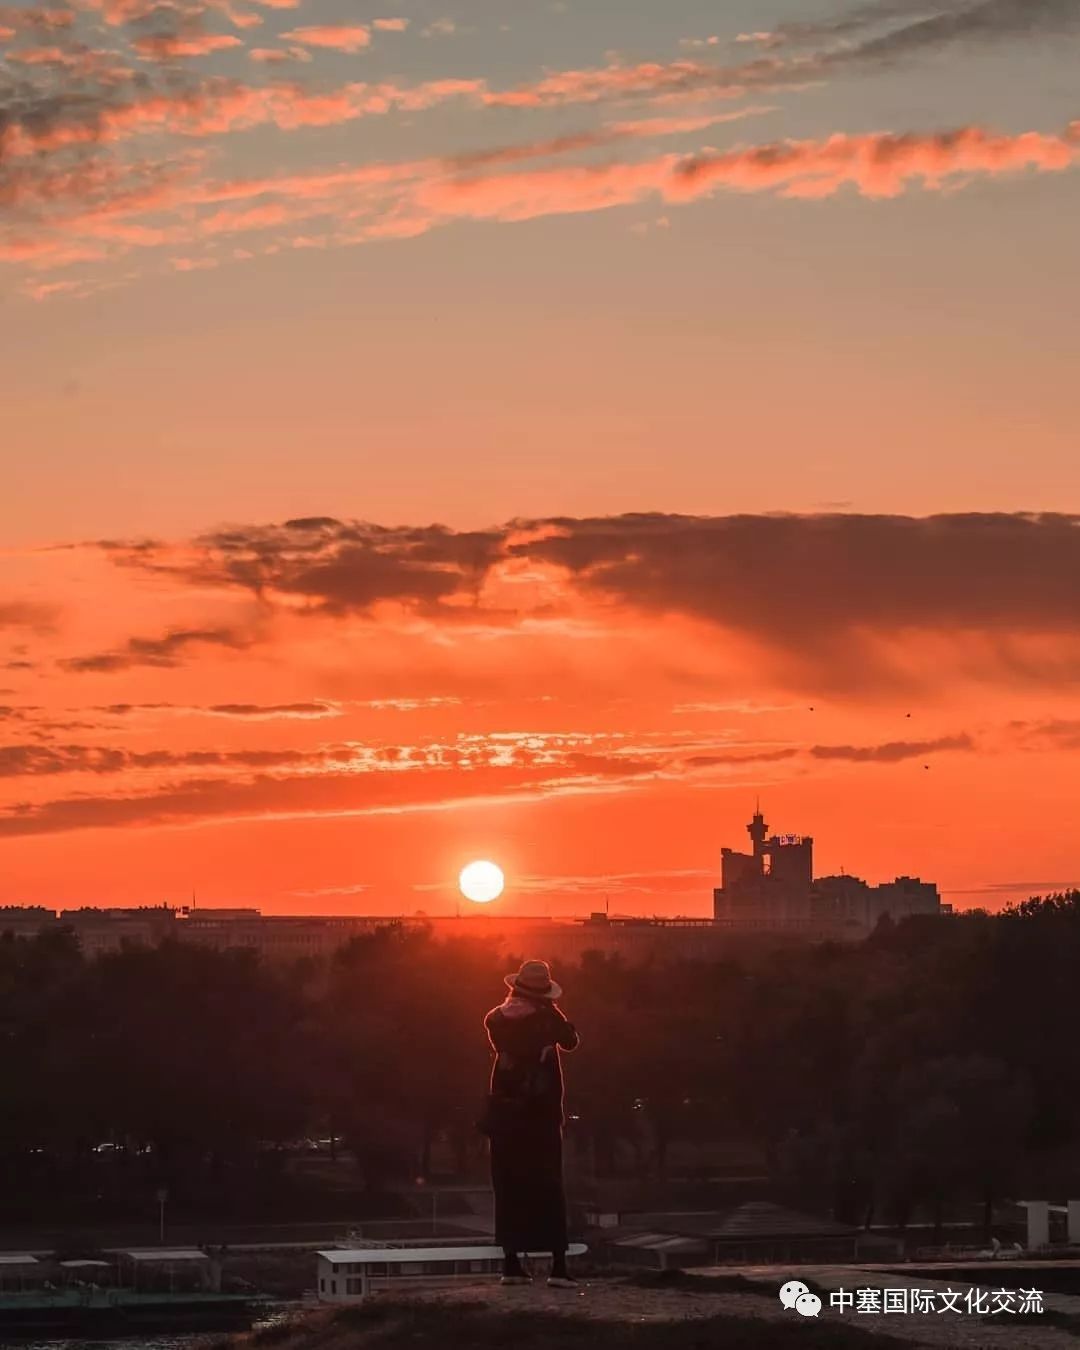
(504, 1109)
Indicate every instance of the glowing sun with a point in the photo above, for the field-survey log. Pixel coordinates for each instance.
(481, 881)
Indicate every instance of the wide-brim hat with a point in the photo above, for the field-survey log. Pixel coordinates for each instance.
(534, 980)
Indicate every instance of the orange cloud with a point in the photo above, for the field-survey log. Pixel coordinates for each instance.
(540, 192)
(42, 56)
(34, 18)
(214, 107)
(278, 55)
(366, 189)
(647, 78)
(120, 13)
(409, 198)
(880, 165)
(166, 47)
(117, 13)
(242, 19)
(348, 777)
(339, 37)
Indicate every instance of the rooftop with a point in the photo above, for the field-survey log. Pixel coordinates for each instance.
(166, 1254)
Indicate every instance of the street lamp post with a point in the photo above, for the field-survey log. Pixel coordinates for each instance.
(162, 1196)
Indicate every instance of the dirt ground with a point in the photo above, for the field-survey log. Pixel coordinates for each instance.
(1058, 1328)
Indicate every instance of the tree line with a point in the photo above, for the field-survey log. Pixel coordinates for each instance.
(933, 1062)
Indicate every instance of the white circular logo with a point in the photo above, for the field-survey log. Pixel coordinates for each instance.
(808, 1304)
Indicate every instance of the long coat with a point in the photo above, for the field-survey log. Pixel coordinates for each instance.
(526, 1142)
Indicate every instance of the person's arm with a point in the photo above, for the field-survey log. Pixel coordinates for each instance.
(566, 1037)
(494, 1025)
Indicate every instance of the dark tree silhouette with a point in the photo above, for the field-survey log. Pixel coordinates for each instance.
(932, 1064)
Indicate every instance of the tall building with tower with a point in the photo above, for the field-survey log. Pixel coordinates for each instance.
(773, 887)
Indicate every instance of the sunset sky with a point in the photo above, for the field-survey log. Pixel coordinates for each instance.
(530, 430)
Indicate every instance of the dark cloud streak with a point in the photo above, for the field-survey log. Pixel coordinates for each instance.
(896, 28)
(206, 800)
(38, 760)
(167, 651)
(892, 752)
(821, 589)
(241, 711)
(27, 613)
(805, 581)
(986, 21)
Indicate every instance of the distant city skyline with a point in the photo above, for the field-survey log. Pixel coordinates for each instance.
(774, 888)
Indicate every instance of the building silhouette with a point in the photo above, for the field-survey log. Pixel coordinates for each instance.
(773, 888)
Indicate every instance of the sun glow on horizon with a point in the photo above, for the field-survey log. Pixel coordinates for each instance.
(481, 882)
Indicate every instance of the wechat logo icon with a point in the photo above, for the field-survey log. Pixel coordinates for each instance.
(795, 1295)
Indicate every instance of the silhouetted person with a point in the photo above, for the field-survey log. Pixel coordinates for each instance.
(525, 1121)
